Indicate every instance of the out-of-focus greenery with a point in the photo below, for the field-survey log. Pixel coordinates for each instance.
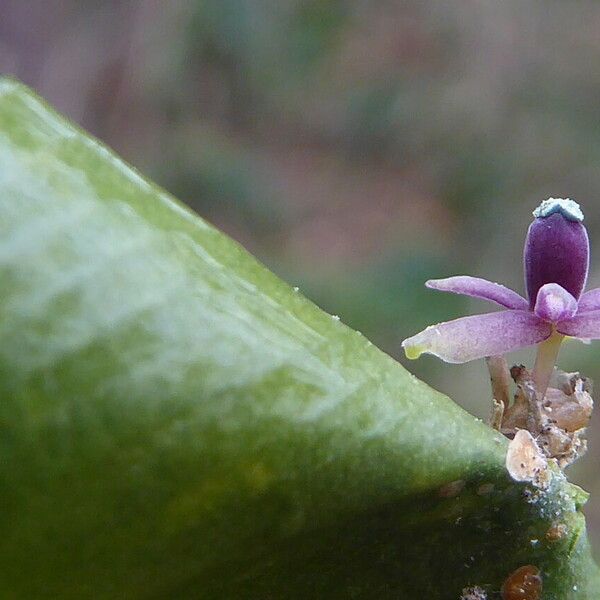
(358, 148)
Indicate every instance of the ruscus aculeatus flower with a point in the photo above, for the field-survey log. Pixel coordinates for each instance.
(556, 262)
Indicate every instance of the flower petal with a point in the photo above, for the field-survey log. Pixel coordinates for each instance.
(585, 326)
(478, 336)
(554, 303)
(589, 301)
(479, 288)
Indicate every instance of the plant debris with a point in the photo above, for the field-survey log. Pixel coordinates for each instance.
(474, 593)
(557, 421)
(526, 462)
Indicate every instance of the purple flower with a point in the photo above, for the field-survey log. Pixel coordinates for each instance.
(556, 261)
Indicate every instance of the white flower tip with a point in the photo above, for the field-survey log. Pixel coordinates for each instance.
(569, 209)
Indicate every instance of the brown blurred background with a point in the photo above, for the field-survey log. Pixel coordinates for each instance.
(357, 148)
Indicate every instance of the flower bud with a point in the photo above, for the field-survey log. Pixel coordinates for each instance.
(556, 249)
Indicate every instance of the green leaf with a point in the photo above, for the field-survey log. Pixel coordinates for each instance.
(176, 422)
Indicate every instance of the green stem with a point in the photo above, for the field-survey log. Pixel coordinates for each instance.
(544, 362)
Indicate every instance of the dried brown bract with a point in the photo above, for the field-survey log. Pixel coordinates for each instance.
(557, 421)
(525, 461)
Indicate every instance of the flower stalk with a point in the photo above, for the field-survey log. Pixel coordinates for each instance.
(545, 360)
(500, 380)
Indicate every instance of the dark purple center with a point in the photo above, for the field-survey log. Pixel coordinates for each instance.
(556, 251)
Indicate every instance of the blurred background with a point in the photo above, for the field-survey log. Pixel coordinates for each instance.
(357, 148)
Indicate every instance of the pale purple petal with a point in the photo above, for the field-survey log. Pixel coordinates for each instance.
(585, 326)
(479, 288)
(589, 301)
(478, 336)
(554, 303)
